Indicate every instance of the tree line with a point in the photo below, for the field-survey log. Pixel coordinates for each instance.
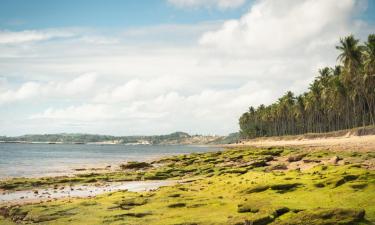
(339, 98)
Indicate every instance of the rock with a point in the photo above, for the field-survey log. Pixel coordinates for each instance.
(279, 167)
(260, 221)
(335, 159)
(281, 188)
(176, 205)
(138, 215)
(281, 211)
(311, 161)
(244, 208)
(256, 189)
(296, 158)
(258, 163)
(135, 165)
(327, 216)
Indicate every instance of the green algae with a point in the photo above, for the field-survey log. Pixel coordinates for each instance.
(222, 188)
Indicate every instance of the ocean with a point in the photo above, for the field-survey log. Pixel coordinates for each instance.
(35, 160)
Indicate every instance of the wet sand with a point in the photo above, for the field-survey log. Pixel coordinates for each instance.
(78, 191)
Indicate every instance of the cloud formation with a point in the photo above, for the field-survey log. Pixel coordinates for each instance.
(221, 4)
(278, 27)
(15, 37)
(196, 78)
(37, 90)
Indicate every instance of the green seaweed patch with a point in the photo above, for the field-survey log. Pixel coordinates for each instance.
(325, 216)
(246, 207)
(256, 189)
(177, 205)
(135, 165)
(282, 188)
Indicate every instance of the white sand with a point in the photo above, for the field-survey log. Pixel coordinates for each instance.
(349, 143)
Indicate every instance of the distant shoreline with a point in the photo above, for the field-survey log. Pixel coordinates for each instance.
(73, 143)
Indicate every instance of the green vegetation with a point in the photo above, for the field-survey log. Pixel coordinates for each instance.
(339, 98)
(175, 137)
(236, 186)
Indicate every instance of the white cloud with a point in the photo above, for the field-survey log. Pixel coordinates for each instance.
(86, 112)
(283, 27)
(137, 89)
(14, 37)
(170, 109)
(26, 91)
(171, 77)
(99, 40)
(37, 90)
(221, 4)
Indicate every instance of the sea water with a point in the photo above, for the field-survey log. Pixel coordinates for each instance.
(31, 160)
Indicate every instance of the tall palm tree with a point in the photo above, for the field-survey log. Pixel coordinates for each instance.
(339, 98)
(369, 74)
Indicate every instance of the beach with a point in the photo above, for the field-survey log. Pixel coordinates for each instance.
(343, 143)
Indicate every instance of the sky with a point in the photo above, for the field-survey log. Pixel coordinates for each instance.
(128, 67)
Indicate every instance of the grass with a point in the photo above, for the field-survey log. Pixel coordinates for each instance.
(231, 187)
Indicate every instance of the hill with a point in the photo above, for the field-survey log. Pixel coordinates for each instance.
(173, 138)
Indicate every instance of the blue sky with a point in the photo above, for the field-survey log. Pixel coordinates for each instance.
(26, 14)
(153, 67)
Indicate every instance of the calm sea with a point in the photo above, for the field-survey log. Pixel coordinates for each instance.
(28, 160)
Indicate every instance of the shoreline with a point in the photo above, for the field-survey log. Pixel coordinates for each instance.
(231, 182)
(342, 143)
(84, 168)
(112, 164)
(39, 195)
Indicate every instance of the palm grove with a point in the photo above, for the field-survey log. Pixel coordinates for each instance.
(339, 98)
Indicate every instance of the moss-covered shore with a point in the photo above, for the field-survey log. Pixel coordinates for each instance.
(236, 186)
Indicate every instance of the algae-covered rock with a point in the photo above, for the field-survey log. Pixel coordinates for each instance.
(259, 220)
(174, 195)
(177, 205)
(259, 188)
(284, 187)
(243, 208)
(295, 158)
(15, 213)
(258, 163)
(135, 165)
(127, 204)
(280, 166)
(335, 159)
(326, 217)
(138, 214)
(359, 185)
(280, 211)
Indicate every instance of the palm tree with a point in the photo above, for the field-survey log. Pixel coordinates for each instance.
(350, 57)
(339, 98)
(369, 75)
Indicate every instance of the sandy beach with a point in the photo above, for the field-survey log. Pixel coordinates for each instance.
(344, 143)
